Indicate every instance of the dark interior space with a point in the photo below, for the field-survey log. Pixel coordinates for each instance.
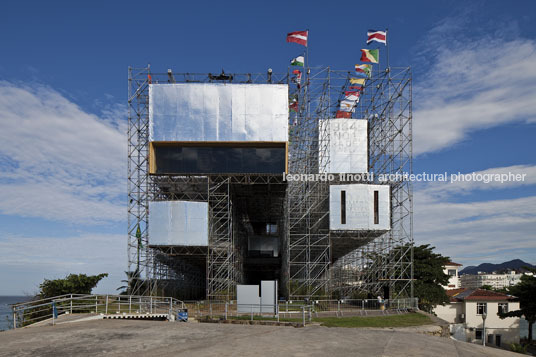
(258, 228)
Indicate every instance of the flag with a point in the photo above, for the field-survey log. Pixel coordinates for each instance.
(365, 69)
(370, 56)
(149, 79)
(293, 106)
(138, 236)
(298, 37)
(351, 93)
(378, 36)
(298, 61)
(347, 105)
(343, 114)
(359, 88)
(298, 74)
(357, 80)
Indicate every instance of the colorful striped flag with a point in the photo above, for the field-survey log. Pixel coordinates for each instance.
(378, 36)
(343, 114)
(370, 56)
(360, 81)
(363, 69)
(299, 37)
(298, 61)
(347, 105)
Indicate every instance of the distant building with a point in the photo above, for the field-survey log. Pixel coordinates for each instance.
(465, 310)
(496, 281)
(452, 270)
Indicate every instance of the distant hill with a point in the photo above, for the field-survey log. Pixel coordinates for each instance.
(515, 264)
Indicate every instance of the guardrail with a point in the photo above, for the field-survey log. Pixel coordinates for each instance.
(297, 309)
(31, 312)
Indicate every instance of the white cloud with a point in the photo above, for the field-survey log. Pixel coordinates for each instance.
(476, 232)
(472, 85)
(26, 261)
(466, 182)
(57, 161)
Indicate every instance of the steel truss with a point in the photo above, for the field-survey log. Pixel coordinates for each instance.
(310, 267)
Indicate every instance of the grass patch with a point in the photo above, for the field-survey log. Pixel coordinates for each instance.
(404, 320)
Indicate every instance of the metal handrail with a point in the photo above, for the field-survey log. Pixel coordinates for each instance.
(30, 312)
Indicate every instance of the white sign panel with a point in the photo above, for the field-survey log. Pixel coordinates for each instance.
(178, 223)
(347, 145)
(353, 207)
(218, 112)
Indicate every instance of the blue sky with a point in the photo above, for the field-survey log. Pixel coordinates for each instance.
(63, 89)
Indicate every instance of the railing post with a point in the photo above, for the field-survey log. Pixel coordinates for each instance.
(363, 304)
(96, 302)
(226, 310)
(210, 309)
(106, 308)
(130, 304)
(251, 312)
(338, 307)
(151, 305)
(303, 315)
(14, 319)
(71, 311)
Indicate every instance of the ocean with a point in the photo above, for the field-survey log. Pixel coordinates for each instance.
(6, 315)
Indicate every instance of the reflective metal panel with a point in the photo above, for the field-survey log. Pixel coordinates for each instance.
(247, 298)
(218, 112)
(348, 146)
(268, 296)
(178, 223)
(359, 209)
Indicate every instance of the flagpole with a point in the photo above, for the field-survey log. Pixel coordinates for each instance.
(387, 45)
(307, 51)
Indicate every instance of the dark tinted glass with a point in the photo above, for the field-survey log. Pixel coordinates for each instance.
(219, 159)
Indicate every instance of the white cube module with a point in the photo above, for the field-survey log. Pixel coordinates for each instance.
(347, 145)
(359, 207)
(178, 223)
(218, 112)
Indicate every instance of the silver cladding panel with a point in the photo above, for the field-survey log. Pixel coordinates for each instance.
(178, 223)
(218, 112)
(348, 146)
(268, 296)
(247, 298)
(360, 207)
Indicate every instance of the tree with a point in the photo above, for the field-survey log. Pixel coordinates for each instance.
(525, 291)
(429, 277)
(72, 284)
(132, 282)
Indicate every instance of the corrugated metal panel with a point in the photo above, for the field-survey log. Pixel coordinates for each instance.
(218, 112)
(178, 223)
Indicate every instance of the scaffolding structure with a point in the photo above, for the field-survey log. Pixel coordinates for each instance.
(311, 265)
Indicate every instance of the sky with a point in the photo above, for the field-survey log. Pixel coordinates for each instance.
(63, 100)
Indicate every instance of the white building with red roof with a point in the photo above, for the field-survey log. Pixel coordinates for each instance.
(466, 310)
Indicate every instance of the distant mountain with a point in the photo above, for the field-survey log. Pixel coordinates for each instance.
(515, 264)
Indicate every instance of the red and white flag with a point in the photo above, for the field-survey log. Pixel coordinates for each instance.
(298, 37)
(378, 36)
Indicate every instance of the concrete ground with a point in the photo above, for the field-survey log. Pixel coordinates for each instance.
(162, 338)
